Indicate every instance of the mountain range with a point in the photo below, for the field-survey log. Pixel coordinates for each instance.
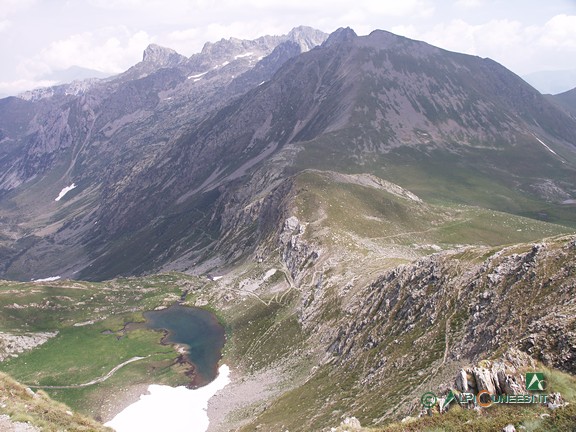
(168, 156)
(403, 191)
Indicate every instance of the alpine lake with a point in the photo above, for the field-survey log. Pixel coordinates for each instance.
(198, 330)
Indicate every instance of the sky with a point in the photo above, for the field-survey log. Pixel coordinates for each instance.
(39, 37)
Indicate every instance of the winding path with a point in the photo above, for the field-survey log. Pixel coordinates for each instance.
(96, 381)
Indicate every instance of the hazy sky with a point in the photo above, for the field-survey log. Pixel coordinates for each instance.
(41, 36)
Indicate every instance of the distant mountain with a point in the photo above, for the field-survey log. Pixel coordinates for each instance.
(97, 132)
(74, 73)
(567, 100)
(552, 82)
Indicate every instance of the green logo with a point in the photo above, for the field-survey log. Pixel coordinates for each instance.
(449, 398)
(428, 400)
(535, 381)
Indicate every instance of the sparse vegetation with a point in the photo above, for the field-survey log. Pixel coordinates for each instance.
(37, 409)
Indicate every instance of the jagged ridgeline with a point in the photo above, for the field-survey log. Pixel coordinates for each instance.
(369, 215)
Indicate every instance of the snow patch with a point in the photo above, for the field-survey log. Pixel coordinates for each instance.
(183, 409)
(48, 279)
(195, 77)
(549, 149)
(65, 191)
(248, 54)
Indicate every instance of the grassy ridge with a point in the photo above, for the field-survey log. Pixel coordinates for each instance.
(376, 214)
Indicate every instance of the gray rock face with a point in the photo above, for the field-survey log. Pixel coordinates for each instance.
(484, 380)
(162, 57)
(139, 114)
(498, 378)
(8, 425)
(306, 37)
(390, 312)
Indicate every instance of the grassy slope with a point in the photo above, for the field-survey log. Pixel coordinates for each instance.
(39, 410)
(371, 229)
(501, 177)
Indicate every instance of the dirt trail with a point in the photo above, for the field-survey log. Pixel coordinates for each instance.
(96, 381)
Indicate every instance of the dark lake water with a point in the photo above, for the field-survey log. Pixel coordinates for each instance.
(199, 330)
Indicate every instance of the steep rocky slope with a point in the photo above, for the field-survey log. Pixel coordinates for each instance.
(382, 345)
(102, 136)
(347, 331)
(322, 111)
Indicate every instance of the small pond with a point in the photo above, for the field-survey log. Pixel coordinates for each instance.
(199, 330)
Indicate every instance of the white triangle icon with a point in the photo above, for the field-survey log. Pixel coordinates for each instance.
(536, 381)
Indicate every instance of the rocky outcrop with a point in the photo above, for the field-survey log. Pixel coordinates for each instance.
(13, 344)
(7, 425)
(559, 351)
(306, 37)
(497, 377)
(162, 57)
(297, 253)
(427, 322)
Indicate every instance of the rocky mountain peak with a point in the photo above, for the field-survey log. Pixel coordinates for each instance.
(161, 56)
(341, 35)
(306, 37)
(221, 48)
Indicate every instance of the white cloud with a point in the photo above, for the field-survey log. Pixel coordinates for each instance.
(108, 50)
(11, 7)
(400, 8)
(559, 32)
(125, 4)
(524, 48)
(21, 85)
(4, 25)
(468, 4)
(34, 40)
(384, 8)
